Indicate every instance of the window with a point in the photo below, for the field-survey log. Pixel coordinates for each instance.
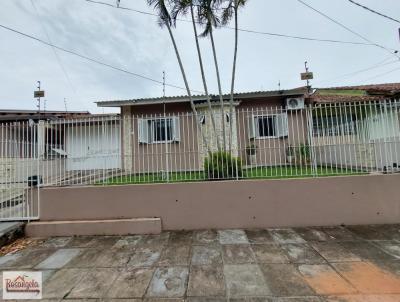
(159, 130)
(266, 126)
(334, 125)
(269, 126)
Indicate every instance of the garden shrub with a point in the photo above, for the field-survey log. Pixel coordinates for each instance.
(222, 165)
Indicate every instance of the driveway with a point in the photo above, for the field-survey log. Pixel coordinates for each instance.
(287, 265)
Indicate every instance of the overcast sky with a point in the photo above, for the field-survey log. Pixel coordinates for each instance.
(134, 42)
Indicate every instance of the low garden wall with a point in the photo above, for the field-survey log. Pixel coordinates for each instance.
(372, 199)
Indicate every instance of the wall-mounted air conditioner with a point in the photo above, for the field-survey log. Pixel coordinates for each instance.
(294, 103)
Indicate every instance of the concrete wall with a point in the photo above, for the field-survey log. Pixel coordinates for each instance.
(234, 204)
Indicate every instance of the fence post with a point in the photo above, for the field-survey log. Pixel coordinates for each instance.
(310, 131)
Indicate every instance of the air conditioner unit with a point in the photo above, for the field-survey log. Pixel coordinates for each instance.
(294, 103)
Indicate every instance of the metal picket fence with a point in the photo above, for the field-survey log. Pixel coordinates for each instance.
(320, 140)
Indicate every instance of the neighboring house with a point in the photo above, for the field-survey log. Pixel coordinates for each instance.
(56, 142)
(362, 125)
(161, 134)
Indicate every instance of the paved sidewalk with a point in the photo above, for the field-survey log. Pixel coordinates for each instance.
(356, 264)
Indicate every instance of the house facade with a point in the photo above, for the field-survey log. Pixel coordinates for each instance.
(345, 126)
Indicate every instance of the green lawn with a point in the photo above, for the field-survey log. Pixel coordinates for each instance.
(251, 173)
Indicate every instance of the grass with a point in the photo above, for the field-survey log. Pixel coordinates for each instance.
(280, 172)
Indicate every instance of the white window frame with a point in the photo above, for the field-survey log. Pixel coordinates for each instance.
(149, 123)
(255, 120)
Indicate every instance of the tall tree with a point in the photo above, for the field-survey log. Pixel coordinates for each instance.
(181, 7)
(165, 20)
(232, 10)
(209, 17)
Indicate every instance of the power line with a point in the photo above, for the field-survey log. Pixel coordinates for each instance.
(92, 60)
(240, 29)
(349, 29)
(383, 74)
(351, 74)
(373, 11)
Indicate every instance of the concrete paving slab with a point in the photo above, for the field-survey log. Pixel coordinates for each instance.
(245, 280)
(168, 282)
(370, 232)
(363, 298)
(60, 258)
(232, 237)
(302, 254)
(205, 237)
(206, 255)
(155, 240)
(56, 242)
(85, 259)
(174, 255)
(104, 241)
(286, 236)
(391, 247)
(29, 259)
(112, 258)
(206, 281)
(62, 282)
(81, 241)
(252, 299)
(367, 251)
(259, 236)
(300, 299)
(131, 283)
(181, 238)
(7, 260)
(325, 281)
(145, 256)
(128, 242)
(237, 254)
(206, 299)
(312, 234)
(369, 278)
(269, 253)
(285, 280)
(94, 284)
(338, 233)
(334, 252)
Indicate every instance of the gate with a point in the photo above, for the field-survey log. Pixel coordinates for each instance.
(19, 171)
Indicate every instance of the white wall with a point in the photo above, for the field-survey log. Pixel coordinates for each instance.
(93, 147)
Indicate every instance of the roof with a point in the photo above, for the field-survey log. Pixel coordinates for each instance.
(21, 115)
(373, 87)
(360, 93)
(200, 98)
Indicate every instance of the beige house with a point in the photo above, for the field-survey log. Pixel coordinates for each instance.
(164, 131)
(163, 134)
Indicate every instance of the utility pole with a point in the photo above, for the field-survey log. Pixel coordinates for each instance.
(65, 104)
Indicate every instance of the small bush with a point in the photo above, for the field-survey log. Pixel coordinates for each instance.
(222, 165)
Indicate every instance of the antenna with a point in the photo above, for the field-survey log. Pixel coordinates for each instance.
(307, 76)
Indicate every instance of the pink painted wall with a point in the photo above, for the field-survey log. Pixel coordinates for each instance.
(349, 200)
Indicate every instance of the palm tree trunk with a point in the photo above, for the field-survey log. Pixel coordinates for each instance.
(204, 79)
(233, 76)
(219, 88)
(187, 87)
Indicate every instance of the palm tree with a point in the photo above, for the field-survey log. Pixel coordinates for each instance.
(166, 20)
(208, 16)
(181, 7)
(229, 11)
